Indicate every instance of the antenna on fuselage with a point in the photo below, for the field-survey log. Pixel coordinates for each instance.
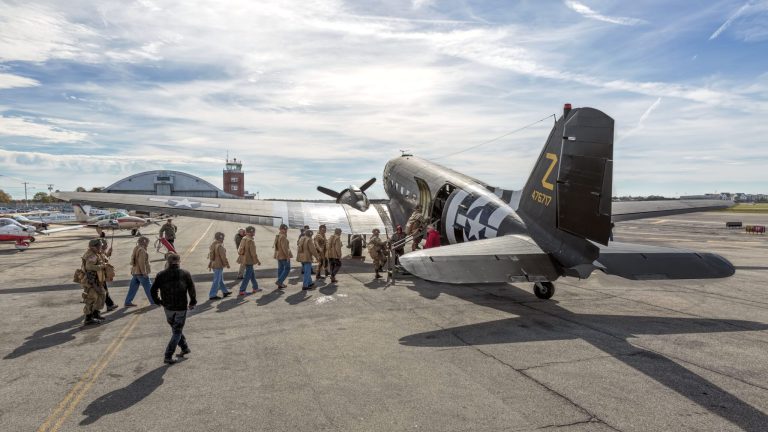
(405, 152)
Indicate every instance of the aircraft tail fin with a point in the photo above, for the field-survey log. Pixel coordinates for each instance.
(81, 212)
(567, 199)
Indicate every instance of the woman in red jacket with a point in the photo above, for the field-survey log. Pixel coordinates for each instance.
(433, 237)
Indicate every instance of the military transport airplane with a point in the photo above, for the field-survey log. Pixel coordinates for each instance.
(558, 225)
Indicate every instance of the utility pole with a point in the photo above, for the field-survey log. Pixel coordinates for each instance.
(26, 202)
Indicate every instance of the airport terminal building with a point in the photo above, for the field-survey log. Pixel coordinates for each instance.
(174, 183)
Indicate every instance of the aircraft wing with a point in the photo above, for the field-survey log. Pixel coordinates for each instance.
(60, 229)
(642, 262)
(511, 258)
(295, 214)
(517, 258)
(630, 210)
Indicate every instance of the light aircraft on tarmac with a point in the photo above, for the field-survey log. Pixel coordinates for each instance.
(21, 235)
(558, 225)
(115, 221)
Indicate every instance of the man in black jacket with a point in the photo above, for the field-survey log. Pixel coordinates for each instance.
(174, 285)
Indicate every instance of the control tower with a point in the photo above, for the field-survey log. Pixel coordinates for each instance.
(234, 178)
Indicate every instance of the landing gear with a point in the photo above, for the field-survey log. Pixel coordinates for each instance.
(544, 290)
(135, 232)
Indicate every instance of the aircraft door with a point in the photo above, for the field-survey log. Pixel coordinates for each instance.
(425, 198)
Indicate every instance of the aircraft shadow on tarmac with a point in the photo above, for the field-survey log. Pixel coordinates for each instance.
(546, 321)
(126, 397)
(64, 332)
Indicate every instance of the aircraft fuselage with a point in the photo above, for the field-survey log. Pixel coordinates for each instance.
(463, 207)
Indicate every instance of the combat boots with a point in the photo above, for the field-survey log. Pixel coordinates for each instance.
(90, 319)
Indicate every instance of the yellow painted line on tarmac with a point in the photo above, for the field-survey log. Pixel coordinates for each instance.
(65, 408)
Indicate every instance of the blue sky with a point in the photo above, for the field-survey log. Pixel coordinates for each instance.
(326, 91)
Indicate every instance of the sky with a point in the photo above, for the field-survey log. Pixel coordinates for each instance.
(324, 92)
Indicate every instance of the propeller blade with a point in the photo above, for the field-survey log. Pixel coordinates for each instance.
(327, 191)
(368, 184)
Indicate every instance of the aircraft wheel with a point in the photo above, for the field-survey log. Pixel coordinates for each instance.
(31, 239)
(133, 232)
(544, 290)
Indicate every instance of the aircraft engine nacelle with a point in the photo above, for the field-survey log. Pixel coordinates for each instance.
(476, 215)
(352, 196)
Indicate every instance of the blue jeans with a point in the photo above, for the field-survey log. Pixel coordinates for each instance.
(133, 287)
(176, 320)
(218, 282)
(307, 266)
(249, 275)
(283, 268)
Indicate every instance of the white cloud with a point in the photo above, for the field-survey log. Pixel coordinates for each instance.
(8, 81)
(588, 12)
(15, 126)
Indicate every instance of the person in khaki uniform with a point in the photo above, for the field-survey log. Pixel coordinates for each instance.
(238, 238)
(139, 272)
(305, 254)
(217, 260)
(93, 289)
(333, 253)
(168, 230)
(247, 255)
(320, 245)
(376, 248)
(415, 227)
(106, 252)
(283, 256)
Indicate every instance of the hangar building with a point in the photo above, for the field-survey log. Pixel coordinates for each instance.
(173, 183)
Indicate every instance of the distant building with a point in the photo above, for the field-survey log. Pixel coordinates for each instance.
(173, 183)
(234, 178)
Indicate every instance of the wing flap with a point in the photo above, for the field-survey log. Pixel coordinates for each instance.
(512, 258)
(640, 262)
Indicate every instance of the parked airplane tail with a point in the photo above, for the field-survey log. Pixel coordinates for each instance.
(81, 212)
(567, 199)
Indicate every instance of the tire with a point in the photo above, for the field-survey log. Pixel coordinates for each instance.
(31, 240)
(133, 232)
(544, 290)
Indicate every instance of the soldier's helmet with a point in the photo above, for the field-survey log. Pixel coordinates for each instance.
(94, 243)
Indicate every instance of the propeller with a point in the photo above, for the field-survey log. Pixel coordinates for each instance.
(353, 196)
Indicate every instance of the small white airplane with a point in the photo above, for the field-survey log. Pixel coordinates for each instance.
(118, 220)
(21, 235)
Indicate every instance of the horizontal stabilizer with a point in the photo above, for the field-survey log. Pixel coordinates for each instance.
(512, 258)
(631, 210)
(641, 262)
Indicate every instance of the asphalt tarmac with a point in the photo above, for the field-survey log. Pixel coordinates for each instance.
(362, 355)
